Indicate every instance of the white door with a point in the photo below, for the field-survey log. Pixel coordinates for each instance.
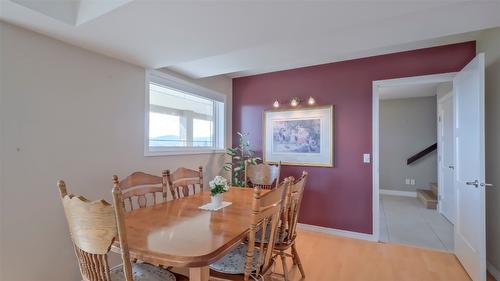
(470, 244)
(446, 190)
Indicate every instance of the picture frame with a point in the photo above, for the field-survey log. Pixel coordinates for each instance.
(298, 136)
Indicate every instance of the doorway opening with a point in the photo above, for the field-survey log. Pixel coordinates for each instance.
(415, 161)
(467, 166)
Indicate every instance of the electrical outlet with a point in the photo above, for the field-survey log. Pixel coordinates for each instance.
(412, 181)
(407, 181)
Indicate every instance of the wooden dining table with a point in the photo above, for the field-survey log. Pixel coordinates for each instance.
(178, 233)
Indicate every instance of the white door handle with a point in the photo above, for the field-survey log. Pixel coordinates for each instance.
(486, 184)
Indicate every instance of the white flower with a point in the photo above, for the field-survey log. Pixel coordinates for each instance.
(218, 181)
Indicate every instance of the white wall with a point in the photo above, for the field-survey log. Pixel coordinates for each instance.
(1, 152)
(489, 43)
(407, 126)
(75, 115)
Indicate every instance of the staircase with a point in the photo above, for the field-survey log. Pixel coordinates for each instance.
(429, 197)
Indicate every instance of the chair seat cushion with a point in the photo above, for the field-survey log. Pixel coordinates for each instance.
(234, 262)
(143, 272)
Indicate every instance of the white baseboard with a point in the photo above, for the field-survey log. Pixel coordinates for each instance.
(398, 193)
(337, 232)
(493, 271)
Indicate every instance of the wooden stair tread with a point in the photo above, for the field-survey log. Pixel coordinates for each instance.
(428, 198)
(434, 187)
(427, 194)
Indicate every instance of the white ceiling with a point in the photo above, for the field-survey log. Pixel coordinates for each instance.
(408, 91)
(237, 38)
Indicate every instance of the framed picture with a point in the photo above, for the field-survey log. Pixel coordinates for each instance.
(299, 136)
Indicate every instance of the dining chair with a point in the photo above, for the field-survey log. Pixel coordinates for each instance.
(288, 224)
(140, 188)
(94, 226)
(263, 175)
(183, 179)
(253, 259)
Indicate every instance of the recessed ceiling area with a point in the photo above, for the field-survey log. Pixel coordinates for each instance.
(238, 38)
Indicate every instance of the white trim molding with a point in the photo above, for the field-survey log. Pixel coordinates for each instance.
(434, 78)
(398, 193)
(337, 232)
(493, 271)
(415, 80)
(220, 114)
(179, 84)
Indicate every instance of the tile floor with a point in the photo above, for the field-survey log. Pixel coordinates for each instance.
(404, 220)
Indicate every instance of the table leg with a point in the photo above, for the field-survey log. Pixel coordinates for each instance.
(199, 273)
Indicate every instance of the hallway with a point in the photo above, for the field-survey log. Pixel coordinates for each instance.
(404, 220)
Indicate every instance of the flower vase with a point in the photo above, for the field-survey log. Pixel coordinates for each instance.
(217, 200)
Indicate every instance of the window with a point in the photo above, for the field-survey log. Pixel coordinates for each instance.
(182, 117)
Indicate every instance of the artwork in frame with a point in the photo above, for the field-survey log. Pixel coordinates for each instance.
(299, 136)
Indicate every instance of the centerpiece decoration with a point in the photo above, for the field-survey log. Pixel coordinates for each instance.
(217, 188)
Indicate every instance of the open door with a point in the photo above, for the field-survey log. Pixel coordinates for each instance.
(470, 232)
(446, 162)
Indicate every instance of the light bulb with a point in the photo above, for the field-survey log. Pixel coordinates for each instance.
(311, 101)
(294, 102)
(276, 104)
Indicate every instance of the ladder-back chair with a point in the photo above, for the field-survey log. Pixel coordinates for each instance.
(289, 220)
(263, 175)
(94, 226)
(183, 181)
(140, 190)
(253, 260)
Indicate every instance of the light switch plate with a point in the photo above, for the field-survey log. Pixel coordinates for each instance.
(366, 158)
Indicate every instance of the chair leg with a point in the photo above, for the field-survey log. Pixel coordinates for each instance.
(283, 263)
(296, 260)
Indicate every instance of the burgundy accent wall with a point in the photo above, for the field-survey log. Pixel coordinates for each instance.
(339, 197)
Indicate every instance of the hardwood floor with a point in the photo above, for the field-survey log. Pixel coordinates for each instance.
(328, 258)
(332, 258)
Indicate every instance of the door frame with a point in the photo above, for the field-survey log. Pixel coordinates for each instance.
(440, 158)
(433, 78)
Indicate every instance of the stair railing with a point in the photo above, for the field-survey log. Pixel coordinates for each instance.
(421, 154)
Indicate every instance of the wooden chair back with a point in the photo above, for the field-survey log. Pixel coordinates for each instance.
(266, 210)
(262, 175)
(93, 227)
(182, 180)
(140, 188)
(292, 204)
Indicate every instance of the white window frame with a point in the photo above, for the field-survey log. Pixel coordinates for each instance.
(178, 84)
